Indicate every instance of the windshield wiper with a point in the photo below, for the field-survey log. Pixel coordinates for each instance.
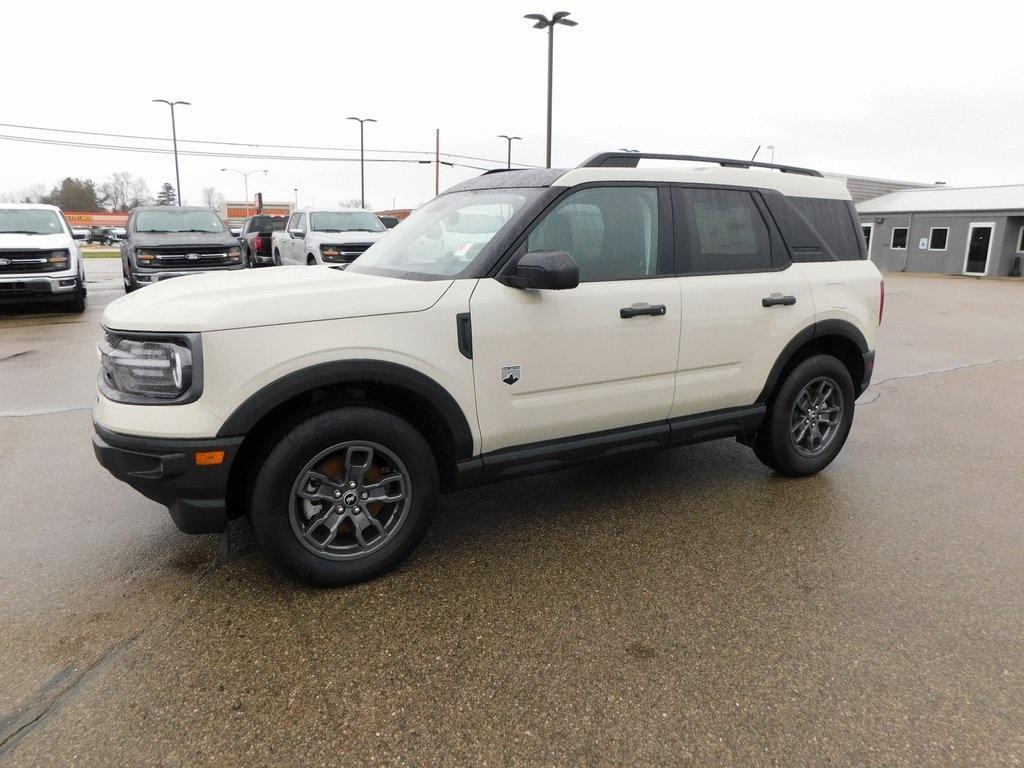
(362, 230)
(154, 231)
(23, 232)
(204, 231)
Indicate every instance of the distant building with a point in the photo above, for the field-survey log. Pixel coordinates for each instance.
(948, 230)
(235, 212)
(863, 188)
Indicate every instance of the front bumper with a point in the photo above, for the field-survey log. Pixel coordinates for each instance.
(36, 287)
(165, 470)
(150, 276)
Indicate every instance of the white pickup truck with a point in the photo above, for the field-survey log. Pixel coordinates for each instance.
(39, 257)
(335, 236)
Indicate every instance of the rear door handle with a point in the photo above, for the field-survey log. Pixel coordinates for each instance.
(777, 299)
(636, 310)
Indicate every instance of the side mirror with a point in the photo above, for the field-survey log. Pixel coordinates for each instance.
(543, 270)
(299, 233)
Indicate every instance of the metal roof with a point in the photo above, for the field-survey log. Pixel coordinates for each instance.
(1004, 198)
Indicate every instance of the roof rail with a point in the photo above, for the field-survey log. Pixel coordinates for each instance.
(632, 159)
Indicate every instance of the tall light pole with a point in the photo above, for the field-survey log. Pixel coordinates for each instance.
(771, 148)
(510, 139)
(174, 138)
(296, 190)
(245, 175)
(362, 177)
(549, 24)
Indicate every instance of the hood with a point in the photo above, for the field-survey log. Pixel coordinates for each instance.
(215, 301)
(157, 239)
(13, 242)
(343, 238)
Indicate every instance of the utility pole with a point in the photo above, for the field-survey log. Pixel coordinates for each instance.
(437, 162)
(244, 175)
(362, 162)
(174, 139)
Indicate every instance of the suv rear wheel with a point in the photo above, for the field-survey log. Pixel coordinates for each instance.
(344, 496)
(808, 419)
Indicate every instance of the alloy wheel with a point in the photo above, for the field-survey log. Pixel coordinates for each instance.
(816, 417)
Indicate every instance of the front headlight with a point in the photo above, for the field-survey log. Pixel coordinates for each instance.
(150, 369)
(234, 255)
(331, 252)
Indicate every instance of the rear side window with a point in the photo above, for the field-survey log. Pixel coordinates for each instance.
(612, 232)
(721, 231)
(832, 221)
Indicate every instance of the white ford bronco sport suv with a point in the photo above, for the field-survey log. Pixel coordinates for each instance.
(40, 260)
(612, 308)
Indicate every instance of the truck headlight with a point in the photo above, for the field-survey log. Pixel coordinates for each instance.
(234, 255)
(330, 252)
(150, 368)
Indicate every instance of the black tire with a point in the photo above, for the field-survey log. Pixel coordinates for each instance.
(277, 258)
(77, 304)
(776, 444)
(310, 260)
(277, 515)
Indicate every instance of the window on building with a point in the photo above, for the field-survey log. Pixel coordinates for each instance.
(937, 238)
(899, 238)
(867, 229)
(1020, 240)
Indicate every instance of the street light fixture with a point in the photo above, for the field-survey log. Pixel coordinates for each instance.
(245, 175)
(362, 177)
(174, 138)
(510, 139)
(549, 24)
(623, 149)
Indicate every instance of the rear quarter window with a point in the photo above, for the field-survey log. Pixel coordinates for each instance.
(834, 223)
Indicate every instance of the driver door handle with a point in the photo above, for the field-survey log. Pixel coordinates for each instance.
(777, 299)
(656, 310)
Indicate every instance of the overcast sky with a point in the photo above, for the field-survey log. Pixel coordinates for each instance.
(910, 91)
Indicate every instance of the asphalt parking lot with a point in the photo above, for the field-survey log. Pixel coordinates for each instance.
(686, 607)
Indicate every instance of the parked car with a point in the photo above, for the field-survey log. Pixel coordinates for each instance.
(255, 236)
(80, 233)
(101, 235)
(612, 309)
(326, 236)
(40, 259)
(119, 233)
(171, 241)
(389, 221)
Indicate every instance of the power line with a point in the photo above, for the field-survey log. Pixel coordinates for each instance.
(235, 155)
(255, 144)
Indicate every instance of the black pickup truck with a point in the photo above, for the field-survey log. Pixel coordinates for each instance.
(169, 241)
(255, 238)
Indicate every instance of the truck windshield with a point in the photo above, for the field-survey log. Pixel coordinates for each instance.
(24, 221)
(442, 239)
(173, 220)
(345, 221)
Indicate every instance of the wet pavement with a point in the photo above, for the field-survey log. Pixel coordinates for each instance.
(686, 607)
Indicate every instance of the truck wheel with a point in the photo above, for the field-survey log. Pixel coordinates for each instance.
(310, 261)
(277, 258)
(344, 496)
(808, 419)
(77, 304)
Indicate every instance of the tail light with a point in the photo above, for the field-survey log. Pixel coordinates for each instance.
(261, 244)
(881, 301)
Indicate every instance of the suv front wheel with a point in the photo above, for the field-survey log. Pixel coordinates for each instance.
(808, 419)
(344, 496)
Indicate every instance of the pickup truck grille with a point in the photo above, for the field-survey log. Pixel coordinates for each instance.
(351, 251)
(178, 257)
(22, 262)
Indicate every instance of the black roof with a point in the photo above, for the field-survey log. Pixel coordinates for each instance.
(500, 179)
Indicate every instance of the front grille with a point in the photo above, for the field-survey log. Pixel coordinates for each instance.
(23, 262)
(183, 257)
(351, 251)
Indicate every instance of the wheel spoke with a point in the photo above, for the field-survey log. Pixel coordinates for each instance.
(317, 487)
(388, 489)
(362, 521)
(355, 470)
(329, 520)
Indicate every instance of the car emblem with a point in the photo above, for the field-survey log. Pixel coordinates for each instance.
(192, 256)
(4, 262)
(510, 374)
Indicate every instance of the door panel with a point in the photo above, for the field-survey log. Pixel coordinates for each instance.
(979, 243)
(581, 366)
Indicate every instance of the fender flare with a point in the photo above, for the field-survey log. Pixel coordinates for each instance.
(843, 328)
(340, 372)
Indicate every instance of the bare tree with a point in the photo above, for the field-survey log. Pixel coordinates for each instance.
(31, 194)
(212, 198)
(122, 191)
(353, 202)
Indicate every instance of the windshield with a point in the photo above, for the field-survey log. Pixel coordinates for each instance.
(266, 224)
(29, 222)
(173, 220)
(345, 221)
(442, 238)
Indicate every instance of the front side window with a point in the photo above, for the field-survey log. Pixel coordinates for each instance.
(937, 238)
(345, 221)
(611, 232)
(442, 239)
(1020, 240)
(26, 221)
(173, 220)
(724, 231)
(899, 238)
